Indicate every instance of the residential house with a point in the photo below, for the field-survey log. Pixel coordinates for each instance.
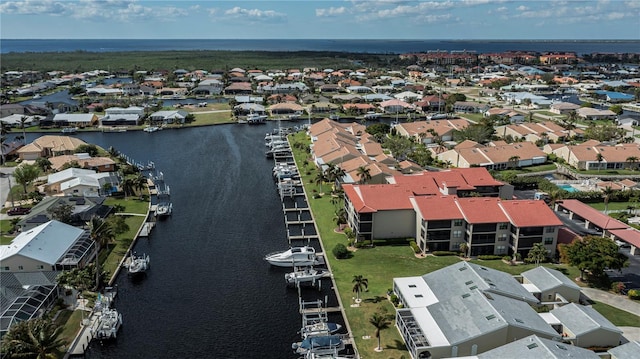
(469, 107)
(169, 116)
(82, 210)
(499, 156)
(16, 121)
(47, 247)
(75, 119)
(589, 113)
(396, 106)
(563, 108)
(422, 130)
(592, 155)
(50, 145)
(550, 285)
(98, 164)
(537, 131)
(118, 116)
(628, 350)
(238, 88)
(465, 309)
(584, 326)
(285, 108)
(534, 347)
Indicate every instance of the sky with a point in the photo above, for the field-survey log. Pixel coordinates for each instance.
(305, 19)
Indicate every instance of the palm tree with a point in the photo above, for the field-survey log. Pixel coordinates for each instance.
(128, 186)
(606, 195)
(599, 158)
(513, 161)
(319, 179)
(23, 120)
(537, 254)
(4, 130)
(381, 322)
(632, 160)
(101, 233)
(359, 283)
(569, 122)
(35, 338)
(464, 247)
(364, 174)
(139, 182)
(26, 174)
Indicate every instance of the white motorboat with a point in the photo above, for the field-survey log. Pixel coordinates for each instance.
(319, 344)
(304, 275)
(108, 324)
(319, 329)
(138, 264)
(294, 256)
(150, 129)
(69, 130)
(254, 118)
(164, 209)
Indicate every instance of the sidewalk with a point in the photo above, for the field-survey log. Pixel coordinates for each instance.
(619, 301)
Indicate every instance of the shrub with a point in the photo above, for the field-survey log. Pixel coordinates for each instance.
(634, 293)
(489, 257)
(617, 287)
(506, 258)
(359, 244)
(415, 247)
(394, 299)
(340, 251)
(444, 253)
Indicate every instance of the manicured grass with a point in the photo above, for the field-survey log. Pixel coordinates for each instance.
(617, 316)
(131, 204)
(212, 118)
(71, 321)
(614, 206)
(5, 238)
(119, 248)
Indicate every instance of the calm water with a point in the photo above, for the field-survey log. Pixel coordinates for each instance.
(363, 46)
(209, 293)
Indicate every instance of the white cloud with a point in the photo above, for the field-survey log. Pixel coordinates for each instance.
(522, 8)
(255, 14)
(332, 11)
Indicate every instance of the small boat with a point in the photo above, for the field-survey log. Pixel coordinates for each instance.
(150, 129)
(253, 118)
(319, 329)
(69, 130)
(164, 209)
(317, 344)
(108, 324)
(138, 264)
(304, 275)
(294, 256)
(36, 96)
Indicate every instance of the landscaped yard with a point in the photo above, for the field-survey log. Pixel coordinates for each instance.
(617, 316)
(379, 264)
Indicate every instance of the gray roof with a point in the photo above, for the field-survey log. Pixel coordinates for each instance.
(464, 277)
(470, 315)
(629, 350)
(546, 279)
(13, 285)
(580, 319)
(534, 347)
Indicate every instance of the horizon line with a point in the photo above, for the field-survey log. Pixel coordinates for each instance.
(336, 39)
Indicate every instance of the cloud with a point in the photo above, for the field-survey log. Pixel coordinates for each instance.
(255, 14)
(332, 11)
(110, 10)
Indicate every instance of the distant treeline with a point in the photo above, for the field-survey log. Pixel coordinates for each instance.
(81, 61)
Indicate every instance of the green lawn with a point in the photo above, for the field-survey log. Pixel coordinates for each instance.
(614, 206)
(212, 118)
(70, 320)
(5, 238)
(617, 316)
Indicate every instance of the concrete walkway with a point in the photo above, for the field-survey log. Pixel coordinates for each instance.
(619, 301)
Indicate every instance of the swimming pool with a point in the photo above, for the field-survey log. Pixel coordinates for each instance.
(567, 187)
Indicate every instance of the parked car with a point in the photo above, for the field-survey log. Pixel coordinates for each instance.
(17, 211)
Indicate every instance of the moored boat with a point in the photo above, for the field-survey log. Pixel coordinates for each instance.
(164, 209)
(304, 275)
(319, 344)
(319, 329)
(294, 256)
(138, 264)
(108, 324)
(69, 130)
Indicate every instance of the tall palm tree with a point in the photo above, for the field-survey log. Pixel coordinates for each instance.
(606, 195)
(364, 174)
(319, 179)
(23, 120)
(632, 160)
(513, 161)
(140, 182)
(569, 122)
(36, 338)
(101, 233)
(599, 158)
(4, 130)
(381, 322)
(360, 283)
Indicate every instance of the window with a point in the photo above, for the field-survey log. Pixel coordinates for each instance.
(503, 226)
(457, 222)
(457, 234)
(6, 268)
(20, 268)
(502, 237)
(548, 240)
(41, 267)
(550, 229)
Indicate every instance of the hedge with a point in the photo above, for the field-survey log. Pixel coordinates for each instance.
(444, 253)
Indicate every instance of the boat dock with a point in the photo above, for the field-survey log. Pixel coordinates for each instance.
(301, 228)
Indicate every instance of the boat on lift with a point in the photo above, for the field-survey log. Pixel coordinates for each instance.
(294, 256)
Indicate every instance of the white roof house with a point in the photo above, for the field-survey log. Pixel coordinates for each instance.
(546, 283)
(68, 174)
(585, 327)
(87, 185)
(629, 350)
(41, 248)
(534, 347)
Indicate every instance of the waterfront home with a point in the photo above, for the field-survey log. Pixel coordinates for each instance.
(238, 88)
(247, 108)
(535, 347)
(50, 145)
(589, 113)
(99, 164)
(169, 116)
(75, 120)
(395, 106)
(465, 309)
(423, 130)
(83, 208)
(25, 295)
(537, 131)
(16, 120)
(431, 103)
(358, 108)
(285, 108)
(50, 246)
(118, 116)
(56, 181)
(563, 108)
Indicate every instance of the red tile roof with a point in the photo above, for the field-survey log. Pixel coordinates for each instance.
(374, 198)
(629, 235)
(478, 210)
(435, 208)
(522, 213)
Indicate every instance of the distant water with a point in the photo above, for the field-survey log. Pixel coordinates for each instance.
(361, 46)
